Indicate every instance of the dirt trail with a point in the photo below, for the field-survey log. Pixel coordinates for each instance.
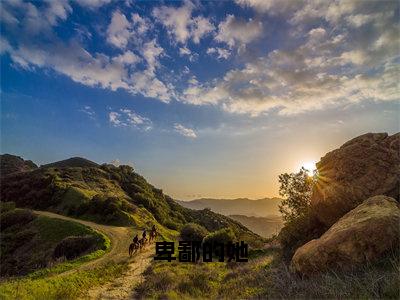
(120, 237)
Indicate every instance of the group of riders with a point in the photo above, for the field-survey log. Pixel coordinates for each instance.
(138, 244)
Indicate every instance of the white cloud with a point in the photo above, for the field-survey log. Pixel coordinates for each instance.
(92, 4)
(129, 118)
(179, 23)
(219, 52)
(200, 26)
(88, 111)
(118, 32)
(328, 69)
(234, 31)
(187, 132)
(127, 58)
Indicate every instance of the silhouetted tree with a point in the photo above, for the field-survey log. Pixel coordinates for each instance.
(296, 188)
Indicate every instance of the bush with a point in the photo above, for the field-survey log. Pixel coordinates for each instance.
(299, 231)
(193, 232)
(224, 235)
(16, 216)
(6, 206)
(74, 246)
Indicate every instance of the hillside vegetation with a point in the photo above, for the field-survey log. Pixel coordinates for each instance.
(30, 242)
(110, 195)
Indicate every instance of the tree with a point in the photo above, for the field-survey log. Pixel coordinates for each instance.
(296, 188)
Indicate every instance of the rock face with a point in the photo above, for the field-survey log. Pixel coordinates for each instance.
(362, 235)
(363, 167)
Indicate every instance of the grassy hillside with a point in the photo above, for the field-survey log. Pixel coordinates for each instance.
(107, 194)
(10, 164)
(266, 276)
(30, 242)
(265, 227)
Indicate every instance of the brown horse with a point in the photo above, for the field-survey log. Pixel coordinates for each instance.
(153, 235)
(142, 242)
(133, 247)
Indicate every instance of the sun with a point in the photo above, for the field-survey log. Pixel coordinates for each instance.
(309, 165)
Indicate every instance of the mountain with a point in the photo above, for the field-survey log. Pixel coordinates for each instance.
(107, 194)
(265, 207)
(72, 162)
(10, 164)
(265, 227)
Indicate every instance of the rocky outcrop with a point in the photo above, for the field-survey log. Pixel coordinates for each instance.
(363, 167)
(362, 235)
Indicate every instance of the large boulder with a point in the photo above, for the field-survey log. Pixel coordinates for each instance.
(363, 167)
(363, 235)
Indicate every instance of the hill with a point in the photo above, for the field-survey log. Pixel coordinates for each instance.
(263, 226)
(72, 162)
(107, 194)
(10, 164)
(30, 242)
(265, 207)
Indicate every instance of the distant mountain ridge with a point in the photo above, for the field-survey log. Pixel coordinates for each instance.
(265, 207)
(265, 227)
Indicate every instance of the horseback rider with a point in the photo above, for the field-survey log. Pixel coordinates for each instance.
(135, 239)
(144, 234)
(153, 229)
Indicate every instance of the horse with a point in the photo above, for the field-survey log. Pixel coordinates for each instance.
(142, 242)
(153, 235)
(133, 247)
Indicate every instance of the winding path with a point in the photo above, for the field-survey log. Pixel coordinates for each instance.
(120, 237)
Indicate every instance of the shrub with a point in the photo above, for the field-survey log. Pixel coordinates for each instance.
(193, 232)
(16, 216)
(224, 235)
(299, 231)
(74, 246)
(6, 206)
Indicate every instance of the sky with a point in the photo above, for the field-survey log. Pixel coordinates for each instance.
(204, 99)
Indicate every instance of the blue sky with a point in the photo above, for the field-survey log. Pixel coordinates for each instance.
(205, 99)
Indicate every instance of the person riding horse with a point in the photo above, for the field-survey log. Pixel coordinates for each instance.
(153, 233)
(135, 239)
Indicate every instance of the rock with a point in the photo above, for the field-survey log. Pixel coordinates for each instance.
(363, 235)
(363, 167)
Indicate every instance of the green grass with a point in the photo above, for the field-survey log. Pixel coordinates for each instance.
(28, 247)
(53, 230)
(69, 286)
(266, 276)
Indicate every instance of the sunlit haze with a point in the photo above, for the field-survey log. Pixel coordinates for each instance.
(204, 99)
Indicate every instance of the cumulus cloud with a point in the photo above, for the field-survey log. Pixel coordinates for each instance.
(118, 31)
(187, 132)
(92, 4)
(70, 58)
(219, 52)
(128, 118)
(179, 22)
(346, 61)
(235, 31)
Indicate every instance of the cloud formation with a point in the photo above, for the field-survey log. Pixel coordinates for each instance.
(179, 22)
(334, 54)
(128, 118)
(187, 132)
(352, 58)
